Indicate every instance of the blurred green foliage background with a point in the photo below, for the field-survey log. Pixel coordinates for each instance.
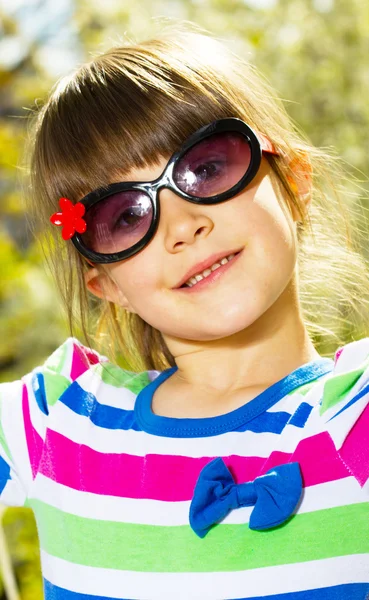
(314, 52)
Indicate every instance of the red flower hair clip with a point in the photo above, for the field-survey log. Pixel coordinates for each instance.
(70, 218)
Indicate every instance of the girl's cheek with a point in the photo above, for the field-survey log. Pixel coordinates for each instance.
(141, 280)
(131, 274)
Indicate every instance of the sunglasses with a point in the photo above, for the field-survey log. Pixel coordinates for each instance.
(213, 165)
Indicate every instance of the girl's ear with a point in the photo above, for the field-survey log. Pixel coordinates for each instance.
(103, 286)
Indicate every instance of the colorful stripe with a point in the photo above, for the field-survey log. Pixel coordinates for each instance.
(34, 441)
(351, 591)
(81, 361)
(172, 478)
(355, 450)
(139, 442)
(337, 388)
(4, 474)
(137, 547)
(296, 577)
(156, 512)
(86, 404)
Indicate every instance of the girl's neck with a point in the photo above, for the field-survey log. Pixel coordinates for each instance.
(268, 350)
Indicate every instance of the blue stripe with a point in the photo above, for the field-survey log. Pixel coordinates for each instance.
(38, 387)
(85, 404)
(349, 591)
(4, 473)
(53, 592)
(301, 415)
(110, 417)
(267, 422)
(362, 393)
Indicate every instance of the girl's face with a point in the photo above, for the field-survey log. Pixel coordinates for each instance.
(255, 221)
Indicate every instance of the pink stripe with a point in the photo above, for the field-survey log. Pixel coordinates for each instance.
(173, 478)
(355, 450)
(34, 441)
(80, 362)
(337, 355)
(92, 356)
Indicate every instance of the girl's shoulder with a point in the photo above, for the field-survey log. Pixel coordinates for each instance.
(74, 363)
(75, 370)
(344, 407)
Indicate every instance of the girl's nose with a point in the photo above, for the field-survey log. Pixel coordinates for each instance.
(182, 222)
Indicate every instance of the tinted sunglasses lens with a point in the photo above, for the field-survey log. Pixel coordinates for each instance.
(117, 222)
(213, 165)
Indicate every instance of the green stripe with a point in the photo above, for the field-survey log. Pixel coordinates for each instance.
(117, 377)
(56, 361)
(55, 385)
(336, 388)
(126, 546)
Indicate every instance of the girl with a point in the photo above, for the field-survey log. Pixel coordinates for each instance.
(232, 461)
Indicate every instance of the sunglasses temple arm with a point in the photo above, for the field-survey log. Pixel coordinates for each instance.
(89, 262)
(266, 144)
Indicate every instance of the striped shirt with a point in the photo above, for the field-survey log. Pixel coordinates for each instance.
(111, 483)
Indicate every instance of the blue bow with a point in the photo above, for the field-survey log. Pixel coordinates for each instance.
(275, 496)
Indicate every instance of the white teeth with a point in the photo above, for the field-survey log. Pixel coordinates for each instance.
(208, 271)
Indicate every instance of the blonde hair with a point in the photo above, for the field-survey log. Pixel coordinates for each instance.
(138, 101)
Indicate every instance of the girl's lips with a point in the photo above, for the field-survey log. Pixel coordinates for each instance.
(215, 275)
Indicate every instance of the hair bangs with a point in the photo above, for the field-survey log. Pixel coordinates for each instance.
(122, 117)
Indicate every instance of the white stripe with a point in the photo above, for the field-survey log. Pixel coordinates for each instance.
(139, 443)
(206, 586)
(331, 494)
(65, 352)
(352, 356)
(38, 418)
(67, 366)
(158, 512)
(81, 430)
(123, 398)
(288, 403)
(13, 493)
(118, 397)
(340, 426)
(312, 396)
(13, 426)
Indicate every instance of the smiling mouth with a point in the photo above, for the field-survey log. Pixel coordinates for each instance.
(199, 281)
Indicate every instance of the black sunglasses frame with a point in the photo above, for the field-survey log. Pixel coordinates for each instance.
(165, 180)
